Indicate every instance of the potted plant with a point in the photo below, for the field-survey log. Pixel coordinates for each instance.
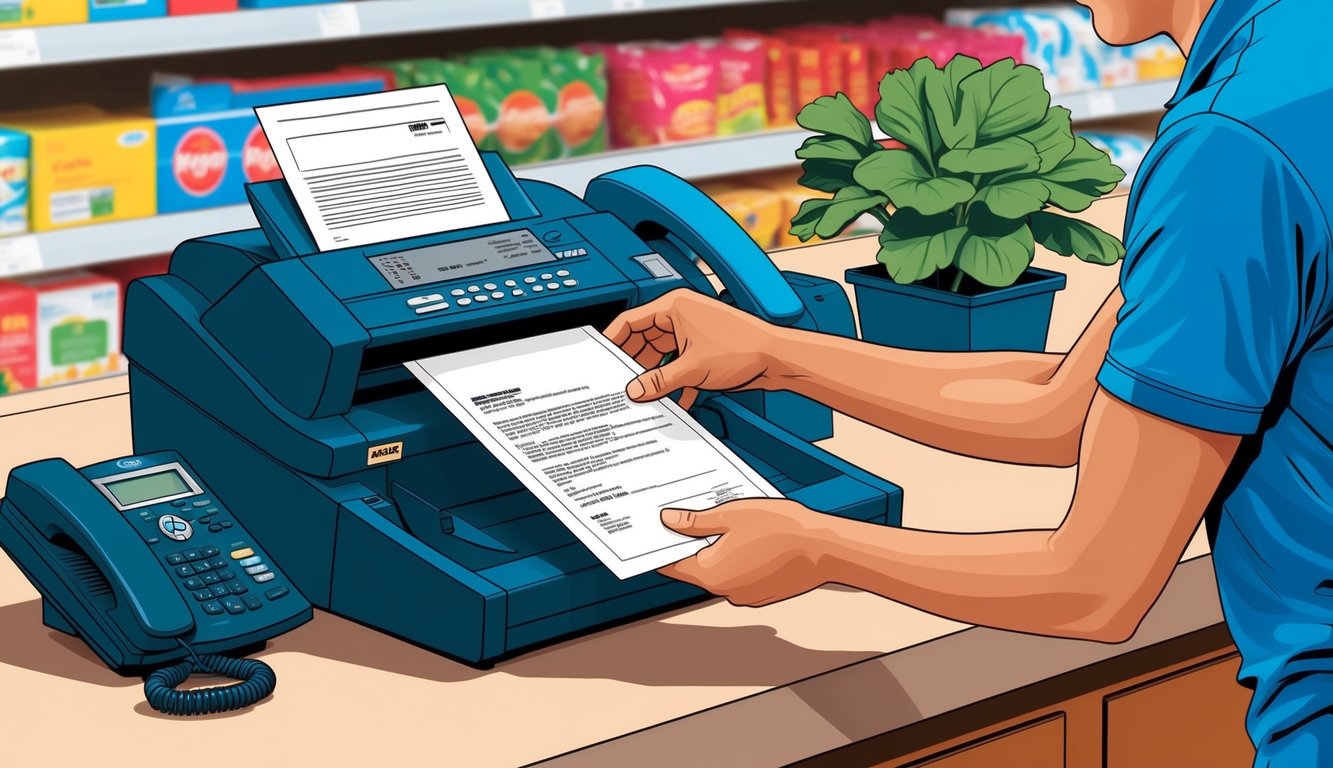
(980, 158)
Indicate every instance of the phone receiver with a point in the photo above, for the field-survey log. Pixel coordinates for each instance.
(659, 205)
(140, 586)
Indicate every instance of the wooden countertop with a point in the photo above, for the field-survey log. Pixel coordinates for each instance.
(711, 684)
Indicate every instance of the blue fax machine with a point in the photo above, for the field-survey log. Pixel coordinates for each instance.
(277, 370)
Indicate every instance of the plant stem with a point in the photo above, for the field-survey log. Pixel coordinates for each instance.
(880, 214)
(957, 280)
(960, 217)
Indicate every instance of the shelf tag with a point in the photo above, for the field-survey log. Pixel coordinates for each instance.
(1101, 103)
(18, 48)
(547, 9)
(339, 21)
(20, 255)
(627, 5)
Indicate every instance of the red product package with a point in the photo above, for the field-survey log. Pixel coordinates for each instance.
(742, 75)
(189, 7)
(779, 76)
(660, 93)
(18, 338)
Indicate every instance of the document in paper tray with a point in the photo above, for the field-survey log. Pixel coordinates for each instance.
(381, 166)
(553, 410)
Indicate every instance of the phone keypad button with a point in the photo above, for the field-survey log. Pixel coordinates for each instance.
(215, 528)
(529, 280)
(219, 589)
(194, 583)
(212, 608)
(210, 551)
(193, 554)
(203, 595)
(185, 571)
(219, 562)
(203, 502)
(211, 578)
(233, 605)
(263, 577)
(255, 570)
(252, 602)
(276, 592)
(237, 588)
(224, 523)
(175, 558)
(237, 554)
(571, 283)
(226, 575)
(202, 567)
(249, 561)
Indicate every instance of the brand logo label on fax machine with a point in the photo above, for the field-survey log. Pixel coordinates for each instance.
(379, 454)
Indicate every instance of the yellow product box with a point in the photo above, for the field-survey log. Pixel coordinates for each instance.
(790, 195)
(87, 166)
(33, 13)
(758, 211)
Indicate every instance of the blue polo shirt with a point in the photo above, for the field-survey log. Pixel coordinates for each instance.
(1225, 327)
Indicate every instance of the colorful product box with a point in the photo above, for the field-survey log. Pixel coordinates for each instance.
(190, 7)
(779, 76)
(278, 3)
(87, 166)
(790, 194)
(742, 73)
(33, 13)
(58, 328)
(758, 211)
(15, 179)
(210, 144)
(122, 10)
(661, 93)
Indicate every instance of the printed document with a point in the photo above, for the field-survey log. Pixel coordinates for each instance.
(553, 410)
(381, 166)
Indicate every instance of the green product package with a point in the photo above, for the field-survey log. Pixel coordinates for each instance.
(580, 117)
(524, 101)
(477, 98)
(79, 342)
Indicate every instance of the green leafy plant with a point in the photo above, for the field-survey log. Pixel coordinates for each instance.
(984, 156)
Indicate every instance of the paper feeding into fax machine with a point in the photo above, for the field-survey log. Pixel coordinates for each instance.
(277, 368)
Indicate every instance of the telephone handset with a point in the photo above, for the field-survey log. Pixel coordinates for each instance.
(677, 219)
(140, 560)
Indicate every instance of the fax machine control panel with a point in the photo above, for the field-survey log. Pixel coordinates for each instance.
(218, 567)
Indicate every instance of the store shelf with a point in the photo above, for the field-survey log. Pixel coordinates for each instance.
(739, 154)
(303, 24)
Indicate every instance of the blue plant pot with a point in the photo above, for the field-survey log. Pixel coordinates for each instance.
(922, 317)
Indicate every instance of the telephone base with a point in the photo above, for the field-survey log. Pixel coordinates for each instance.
(52, 618)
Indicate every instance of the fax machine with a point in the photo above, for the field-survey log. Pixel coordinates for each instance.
(277, 370)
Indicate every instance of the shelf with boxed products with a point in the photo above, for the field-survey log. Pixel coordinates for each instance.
(741, 154)
(267, 23)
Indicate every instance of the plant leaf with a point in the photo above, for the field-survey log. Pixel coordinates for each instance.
(1001, 100)
(1053, 138)
(909, 259)
(899, 112)
(836, 116)
(996, 261)
(1071, 237)
(1011, 154)
(902, 177)
(1082, 177)
(826, 175)
(807, 218)
(845, 207)
(831, 148)
(944, 98)
(1013, 199)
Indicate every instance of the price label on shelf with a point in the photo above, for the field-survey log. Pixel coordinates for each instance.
(627, 5)
(547, 9)
(20, 255)
(1101, 103)
(339, 21)
(18, 48)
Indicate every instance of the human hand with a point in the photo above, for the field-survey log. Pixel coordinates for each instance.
(718, 347)
(768, 550)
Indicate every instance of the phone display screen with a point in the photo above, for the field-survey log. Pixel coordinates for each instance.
(159, 485)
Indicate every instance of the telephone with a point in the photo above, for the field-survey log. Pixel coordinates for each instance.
(139, 559)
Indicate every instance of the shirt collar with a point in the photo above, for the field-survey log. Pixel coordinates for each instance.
(1224, 20)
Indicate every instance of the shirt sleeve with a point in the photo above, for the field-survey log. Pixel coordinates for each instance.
(1213, 278)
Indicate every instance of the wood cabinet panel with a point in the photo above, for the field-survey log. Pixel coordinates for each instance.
(1194, 717)
(1040, 744)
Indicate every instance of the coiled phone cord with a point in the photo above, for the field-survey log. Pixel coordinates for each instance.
(257, 681)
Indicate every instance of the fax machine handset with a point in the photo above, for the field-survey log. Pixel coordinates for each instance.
(659, 205)
(108, 548)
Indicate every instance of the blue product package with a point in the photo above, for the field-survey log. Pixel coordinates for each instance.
(15, 170)
(121, 10)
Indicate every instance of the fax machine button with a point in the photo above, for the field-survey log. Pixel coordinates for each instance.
(203, 595)
(241, 554)
(432, 308)
(184, 571)
(255, 570)
(511, 283)
(219, 590)
(529, 280)
(553, 236)
(215, 528)
(562, 273)
(490, 286)
(419, 300)
(203, 503)
(474, 289)
(175, 528)
(253, 603)
(212, 608)
(547, 276)
(481, 299)
(263, 577)
(249, 561)
(194, 582)
(233, 605)
(553, 286)
(180, 503)
(538, 288)
(464, 302)
(571, 283)
(175, 558)
(518, 292)
(458, 292)
(237, 588)
(276, 593)
(210, 578)
(498, 295)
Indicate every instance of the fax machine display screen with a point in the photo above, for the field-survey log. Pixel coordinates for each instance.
(159, 485)
(461, 259)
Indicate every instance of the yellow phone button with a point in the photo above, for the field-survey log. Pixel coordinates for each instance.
(237, 554)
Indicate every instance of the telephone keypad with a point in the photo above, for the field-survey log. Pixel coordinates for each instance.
(219, 590)
(210, 552)
(175, 558)
(252, 602)
(202, 566)
(210, 578)
(212, 608)
(226, 575)
(263, 577)
(194, 583)
(237, 588)
(203, 595)
(192, 554)
(184, 571)
(233, 605)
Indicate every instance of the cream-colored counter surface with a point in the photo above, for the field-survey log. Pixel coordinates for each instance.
(348, 695)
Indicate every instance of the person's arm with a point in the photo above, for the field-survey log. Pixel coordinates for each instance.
(1007, 406)
(1022, 408)
(1143, 485)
